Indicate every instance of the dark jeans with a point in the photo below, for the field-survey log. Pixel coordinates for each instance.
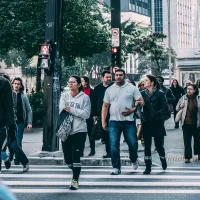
(20, 133)
(19, 153)
(189, 131)
(159, 144)
(2, 138)
(129, 131)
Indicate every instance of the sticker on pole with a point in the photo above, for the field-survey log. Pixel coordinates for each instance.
(115, 37)
(115, 68)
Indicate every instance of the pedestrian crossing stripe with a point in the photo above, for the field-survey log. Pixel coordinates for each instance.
(135, 176)
(118, 183)
(108, 170)
(108, 191)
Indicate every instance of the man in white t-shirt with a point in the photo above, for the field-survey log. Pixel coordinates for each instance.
(122, 97)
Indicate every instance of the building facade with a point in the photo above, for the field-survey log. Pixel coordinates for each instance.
(185, 38)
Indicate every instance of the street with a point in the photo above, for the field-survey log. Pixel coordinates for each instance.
(52, 182)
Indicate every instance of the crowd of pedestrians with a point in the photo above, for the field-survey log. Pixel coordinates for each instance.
(114, 106)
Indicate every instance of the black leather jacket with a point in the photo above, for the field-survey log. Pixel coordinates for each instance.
(155, 107)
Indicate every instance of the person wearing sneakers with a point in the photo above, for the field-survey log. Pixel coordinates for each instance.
(155, 112)
(190, 120)
(121, 97)
(7, 122)
(23, 111)
(77, 104)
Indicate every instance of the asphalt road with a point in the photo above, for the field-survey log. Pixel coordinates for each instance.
(52, 182)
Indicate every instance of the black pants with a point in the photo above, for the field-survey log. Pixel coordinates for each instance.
(89, 128)
(175, 112)
(105, 136)
(154, 130)
(189, 131)
(2, 138)
(71, 150)
(159, 144)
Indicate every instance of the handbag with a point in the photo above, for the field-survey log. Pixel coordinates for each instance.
(64, 125)
(96, 131)
(179, 115)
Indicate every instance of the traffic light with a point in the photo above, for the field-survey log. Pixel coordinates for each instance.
(45, 56)
(116, 57)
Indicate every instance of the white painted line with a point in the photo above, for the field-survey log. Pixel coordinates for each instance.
(136, 184)
(108, 191)
(105, 170)
(65, 166)
(134, 176)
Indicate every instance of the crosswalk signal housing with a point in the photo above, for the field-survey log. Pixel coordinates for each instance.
(45, 56)
(115, 57)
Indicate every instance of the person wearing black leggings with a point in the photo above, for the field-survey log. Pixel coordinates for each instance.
(78, 105)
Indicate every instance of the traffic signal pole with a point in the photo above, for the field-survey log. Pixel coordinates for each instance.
(116, 34)
(53, 36)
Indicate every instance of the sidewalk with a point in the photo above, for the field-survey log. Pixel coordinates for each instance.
(32, 145)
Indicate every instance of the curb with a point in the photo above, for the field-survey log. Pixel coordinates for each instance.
(84, 161)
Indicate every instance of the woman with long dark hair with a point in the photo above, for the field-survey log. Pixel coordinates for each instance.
(78, 105)
(190, 120)
(89, 91)
(178, 92)
(155, 112)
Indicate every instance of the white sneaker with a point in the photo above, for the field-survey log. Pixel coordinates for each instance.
(115, 171)
(26, 167)
(135, 165)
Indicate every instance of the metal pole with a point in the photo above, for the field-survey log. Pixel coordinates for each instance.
(53, 34)
(116, 24)
(169, 44)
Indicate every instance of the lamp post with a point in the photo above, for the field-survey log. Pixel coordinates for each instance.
(169, 43)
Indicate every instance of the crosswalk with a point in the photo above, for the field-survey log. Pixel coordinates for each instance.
(56, 179)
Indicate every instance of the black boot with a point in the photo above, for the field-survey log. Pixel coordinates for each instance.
(92, 152)
(164, 162)
(176, 125)
(148, 163)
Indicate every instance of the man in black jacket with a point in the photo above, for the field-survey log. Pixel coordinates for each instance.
(97, 102)
(7, 119)
(6, 112)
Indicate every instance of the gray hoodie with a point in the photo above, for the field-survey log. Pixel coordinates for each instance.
(80, 109)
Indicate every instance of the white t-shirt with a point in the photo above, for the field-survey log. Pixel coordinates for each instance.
(121, 98)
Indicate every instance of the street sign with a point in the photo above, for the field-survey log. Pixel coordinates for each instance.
(115, 37)
(115, 68)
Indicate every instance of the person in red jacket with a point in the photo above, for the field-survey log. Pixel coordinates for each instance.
(89, 91)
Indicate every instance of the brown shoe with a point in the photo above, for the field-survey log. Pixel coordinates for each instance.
(187, 160)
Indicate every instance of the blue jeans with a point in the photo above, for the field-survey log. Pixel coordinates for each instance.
(20, 133)
(2, 138)
(4, 156)
(129, 131)
(19, 153)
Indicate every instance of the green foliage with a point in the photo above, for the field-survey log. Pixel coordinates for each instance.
(23, 29)
(36, 101)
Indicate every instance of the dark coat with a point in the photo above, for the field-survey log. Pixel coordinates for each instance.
(169, 95)
(6, 103)
(155, 112)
